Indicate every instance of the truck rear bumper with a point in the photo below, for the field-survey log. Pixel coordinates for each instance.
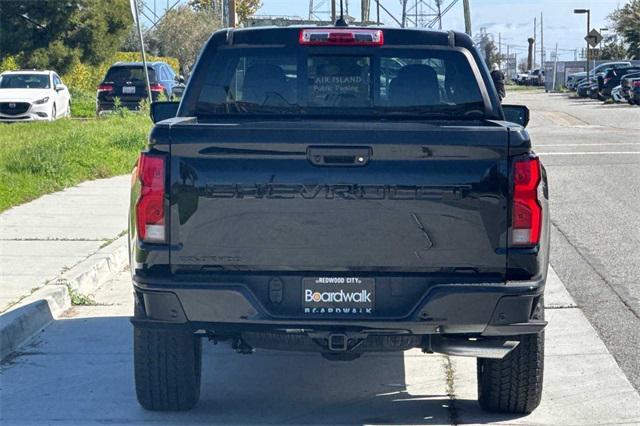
(482, 310)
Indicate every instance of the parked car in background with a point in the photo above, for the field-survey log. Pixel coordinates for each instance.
(126, 82)
(626, 83)
(521, 78)
(635, 93)
(611, 79)
(593, 91)
(33, 95)
(616, 94)
(535, 77)
(582, 89)
(612, 65)
(579, 78)
(573, 79)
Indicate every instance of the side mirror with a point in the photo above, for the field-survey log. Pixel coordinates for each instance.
(518, 114)
(163, 110)
(180, 78)
(60, 87)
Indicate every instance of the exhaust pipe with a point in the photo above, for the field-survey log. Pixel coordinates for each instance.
(494, 349)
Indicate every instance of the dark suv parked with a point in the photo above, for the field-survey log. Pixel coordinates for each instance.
(126, 81)
(611, 79)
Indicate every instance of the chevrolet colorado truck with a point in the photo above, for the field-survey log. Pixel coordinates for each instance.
(339, 190)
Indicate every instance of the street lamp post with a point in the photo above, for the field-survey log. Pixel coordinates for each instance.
(602, 31)
(588, 12)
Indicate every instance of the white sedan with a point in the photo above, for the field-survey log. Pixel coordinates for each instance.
(33, 95)
(616, 94)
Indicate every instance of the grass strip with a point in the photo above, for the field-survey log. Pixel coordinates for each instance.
(37, 158)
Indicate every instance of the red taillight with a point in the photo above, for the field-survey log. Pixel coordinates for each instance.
(606, 80)
(150, 206)
(526, 218)
(636, 83)
(105, 88)
(156, 87)
(341, 37)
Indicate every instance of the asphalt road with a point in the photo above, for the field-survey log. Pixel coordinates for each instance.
(592, 155)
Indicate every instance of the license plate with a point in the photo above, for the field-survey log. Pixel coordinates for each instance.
(128, 90)
(338, 296)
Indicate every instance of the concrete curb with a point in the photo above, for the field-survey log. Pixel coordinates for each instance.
(88, 275)
(22, 321)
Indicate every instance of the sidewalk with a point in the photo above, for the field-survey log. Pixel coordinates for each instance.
(42, 239)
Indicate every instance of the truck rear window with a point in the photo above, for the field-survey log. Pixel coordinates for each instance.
(423, 82)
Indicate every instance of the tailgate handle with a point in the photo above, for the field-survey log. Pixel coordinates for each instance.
(339, 156)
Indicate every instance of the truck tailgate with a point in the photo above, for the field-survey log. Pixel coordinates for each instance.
(339, 196)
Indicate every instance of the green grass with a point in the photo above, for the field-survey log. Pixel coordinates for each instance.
(42, 157)
(83, 104)
(516, 88)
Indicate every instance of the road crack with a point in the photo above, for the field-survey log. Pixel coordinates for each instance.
(449, 372)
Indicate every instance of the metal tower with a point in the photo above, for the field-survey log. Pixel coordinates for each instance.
(425, 13)
(326, 10)
(319, 10)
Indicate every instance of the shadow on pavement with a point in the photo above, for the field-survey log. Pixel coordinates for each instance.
(79, 371)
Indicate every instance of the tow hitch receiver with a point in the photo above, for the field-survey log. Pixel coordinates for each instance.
(338, 342)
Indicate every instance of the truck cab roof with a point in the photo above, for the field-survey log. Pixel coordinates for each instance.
(392, 35)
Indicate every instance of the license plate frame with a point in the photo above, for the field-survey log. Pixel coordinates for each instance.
(338, 296)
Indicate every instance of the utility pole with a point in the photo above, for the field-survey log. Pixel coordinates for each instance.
(333, 10)
(541, 42)
(602, 31)
(404, 14)
(467, 18)
(555, 69)
(535, 35)
(232, 13)
(378, 11)
(364, 10)
(438, 2)
(500, 51)
(136, 18)
(508, 61)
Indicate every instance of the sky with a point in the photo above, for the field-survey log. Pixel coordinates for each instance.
(513, 19)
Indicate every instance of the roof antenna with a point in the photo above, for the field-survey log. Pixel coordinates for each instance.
(341, 22)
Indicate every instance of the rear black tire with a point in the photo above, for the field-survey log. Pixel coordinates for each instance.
(514, 384)
(168, 368)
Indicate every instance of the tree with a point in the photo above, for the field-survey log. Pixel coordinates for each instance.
(491, 55)
(246, 8)
(487, 47)
(523, 65)
(181, 34)
(54, 34)
(626, 22)
(612, 48)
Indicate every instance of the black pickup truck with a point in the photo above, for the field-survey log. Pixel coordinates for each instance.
(341, 191)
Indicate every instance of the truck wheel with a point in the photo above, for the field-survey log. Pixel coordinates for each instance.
(167, 369)
(514, 384)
